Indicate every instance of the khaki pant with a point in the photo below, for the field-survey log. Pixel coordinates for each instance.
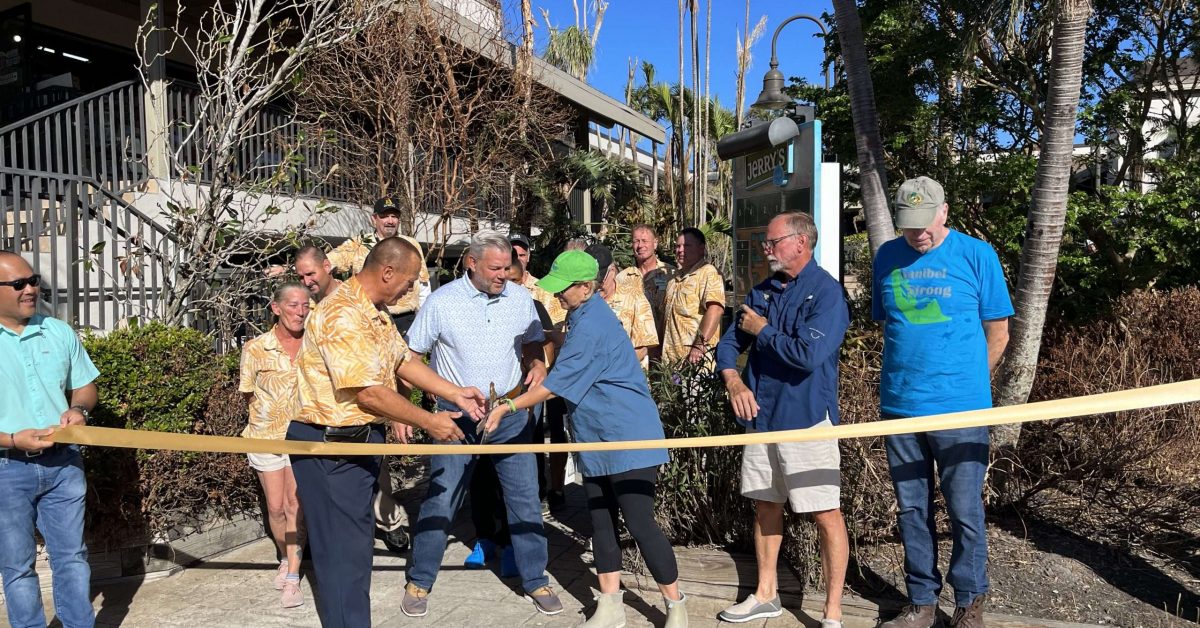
(389, 515)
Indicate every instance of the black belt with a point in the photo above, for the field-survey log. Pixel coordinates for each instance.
(21, 454)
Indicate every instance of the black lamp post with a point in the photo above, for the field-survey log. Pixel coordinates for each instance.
(772, 96)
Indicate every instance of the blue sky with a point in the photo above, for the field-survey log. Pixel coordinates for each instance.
(648, 30)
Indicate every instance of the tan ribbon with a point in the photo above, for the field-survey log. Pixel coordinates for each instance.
(1138, 398)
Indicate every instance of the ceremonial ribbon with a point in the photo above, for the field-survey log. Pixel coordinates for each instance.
(1133, 399)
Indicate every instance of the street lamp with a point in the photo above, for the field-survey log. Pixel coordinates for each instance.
(772, 96)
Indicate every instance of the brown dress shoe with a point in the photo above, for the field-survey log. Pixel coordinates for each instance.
(914, 617)
(968, 616)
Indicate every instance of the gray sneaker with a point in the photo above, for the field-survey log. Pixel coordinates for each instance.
(750, 609)
(545, 601)
(415, 602)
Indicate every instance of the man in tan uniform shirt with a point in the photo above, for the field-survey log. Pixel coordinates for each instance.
(649, 277)
(349, 258)
(695, 301)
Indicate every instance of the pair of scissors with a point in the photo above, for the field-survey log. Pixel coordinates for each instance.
(481, 428)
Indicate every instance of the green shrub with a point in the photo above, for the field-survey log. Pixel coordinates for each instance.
(152, 377)
(165, 379)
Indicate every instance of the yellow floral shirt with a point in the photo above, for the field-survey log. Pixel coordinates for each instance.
(548, 300)
(348, 344)
(633, 310)
(688, 295)
(268, 373)
(652, 284)
(350, 256)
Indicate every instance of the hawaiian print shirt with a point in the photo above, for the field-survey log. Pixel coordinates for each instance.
(688, 295)
(652, 284)
(557, 314)
(633, 311)
(350, 256)
(348, 344)
(267, 372)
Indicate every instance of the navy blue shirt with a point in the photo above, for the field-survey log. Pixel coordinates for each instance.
(792, 368)
(598, 374)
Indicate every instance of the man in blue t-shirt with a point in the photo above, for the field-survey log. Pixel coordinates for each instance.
(944, 305)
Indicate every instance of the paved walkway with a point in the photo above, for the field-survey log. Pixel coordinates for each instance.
(234, 590)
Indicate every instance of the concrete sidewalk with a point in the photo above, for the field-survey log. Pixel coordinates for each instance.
(235, 589)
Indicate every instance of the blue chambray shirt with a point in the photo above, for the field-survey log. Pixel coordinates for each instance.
(476, 338)
(37, 368)
(599, 376)
(792, 368)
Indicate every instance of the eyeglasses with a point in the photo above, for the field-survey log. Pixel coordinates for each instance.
(19, 284)
(564, 290)
(771, 244)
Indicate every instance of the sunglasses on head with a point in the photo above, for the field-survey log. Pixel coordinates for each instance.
(19, 284)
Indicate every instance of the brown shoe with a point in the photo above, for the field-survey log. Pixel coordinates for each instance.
(968, 616)
(914, 617)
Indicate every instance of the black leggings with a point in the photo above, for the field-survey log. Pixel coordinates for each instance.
(632, 492)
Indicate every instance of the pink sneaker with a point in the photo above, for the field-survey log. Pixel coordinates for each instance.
(291, 597)
(281, 575)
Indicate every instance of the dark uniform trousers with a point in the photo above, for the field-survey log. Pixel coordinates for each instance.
(336, 494)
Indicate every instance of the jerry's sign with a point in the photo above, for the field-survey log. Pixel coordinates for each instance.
(760, 167)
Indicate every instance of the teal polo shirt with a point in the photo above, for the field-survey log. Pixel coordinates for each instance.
(37, 368)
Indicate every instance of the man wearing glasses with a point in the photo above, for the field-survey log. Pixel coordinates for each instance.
(792, 324)
(46, 382)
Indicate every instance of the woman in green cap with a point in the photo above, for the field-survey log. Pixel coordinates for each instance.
(599, 376)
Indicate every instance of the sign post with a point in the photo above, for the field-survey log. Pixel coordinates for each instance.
(789, 177)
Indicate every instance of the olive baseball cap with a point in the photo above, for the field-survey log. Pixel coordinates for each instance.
(917, 202)
(569, 267)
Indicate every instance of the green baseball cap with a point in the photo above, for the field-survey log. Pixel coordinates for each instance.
(569, 267)
(917, 202)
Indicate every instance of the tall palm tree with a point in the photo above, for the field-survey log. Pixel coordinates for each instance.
(872, 175)
(1048, 211)
(679, 208)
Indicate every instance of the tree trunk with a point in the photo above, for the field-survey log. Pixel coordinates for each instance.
(1047, 213)
(872, 170)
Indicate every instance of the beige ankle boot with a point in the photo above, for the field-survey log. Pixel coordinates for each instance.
(610, 612)
(677, 616)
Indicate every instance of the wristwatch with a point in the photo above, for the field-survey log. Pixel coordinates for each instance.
(82, 410)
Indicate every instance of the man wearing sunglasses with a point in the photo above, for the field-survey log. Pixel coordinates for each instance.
(46, 382)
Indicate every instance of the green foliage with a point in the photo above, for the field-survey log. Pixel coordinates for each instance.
(166, 379)
(570, 50)
(1122, 240)
(153, 377)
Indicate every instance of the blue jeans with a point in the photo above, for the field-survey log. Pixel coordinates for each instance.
(47, 491)
(960, 458)
(449, 478)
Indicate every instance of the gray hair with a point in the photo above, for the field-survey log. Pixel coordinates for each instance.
(483, 240)
(802, 222)
(282, 289)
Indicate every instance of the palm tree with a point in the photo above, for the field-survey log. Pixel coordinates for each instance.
(573, 49)
(872, 175)
(1048, 211)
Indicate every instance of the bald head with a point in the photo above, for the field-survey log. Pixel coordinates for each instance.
(394, 252)
(390, 270)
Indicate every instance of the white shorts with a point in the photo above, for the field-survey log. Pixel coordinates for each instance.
(268, 462)
(808, 476)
